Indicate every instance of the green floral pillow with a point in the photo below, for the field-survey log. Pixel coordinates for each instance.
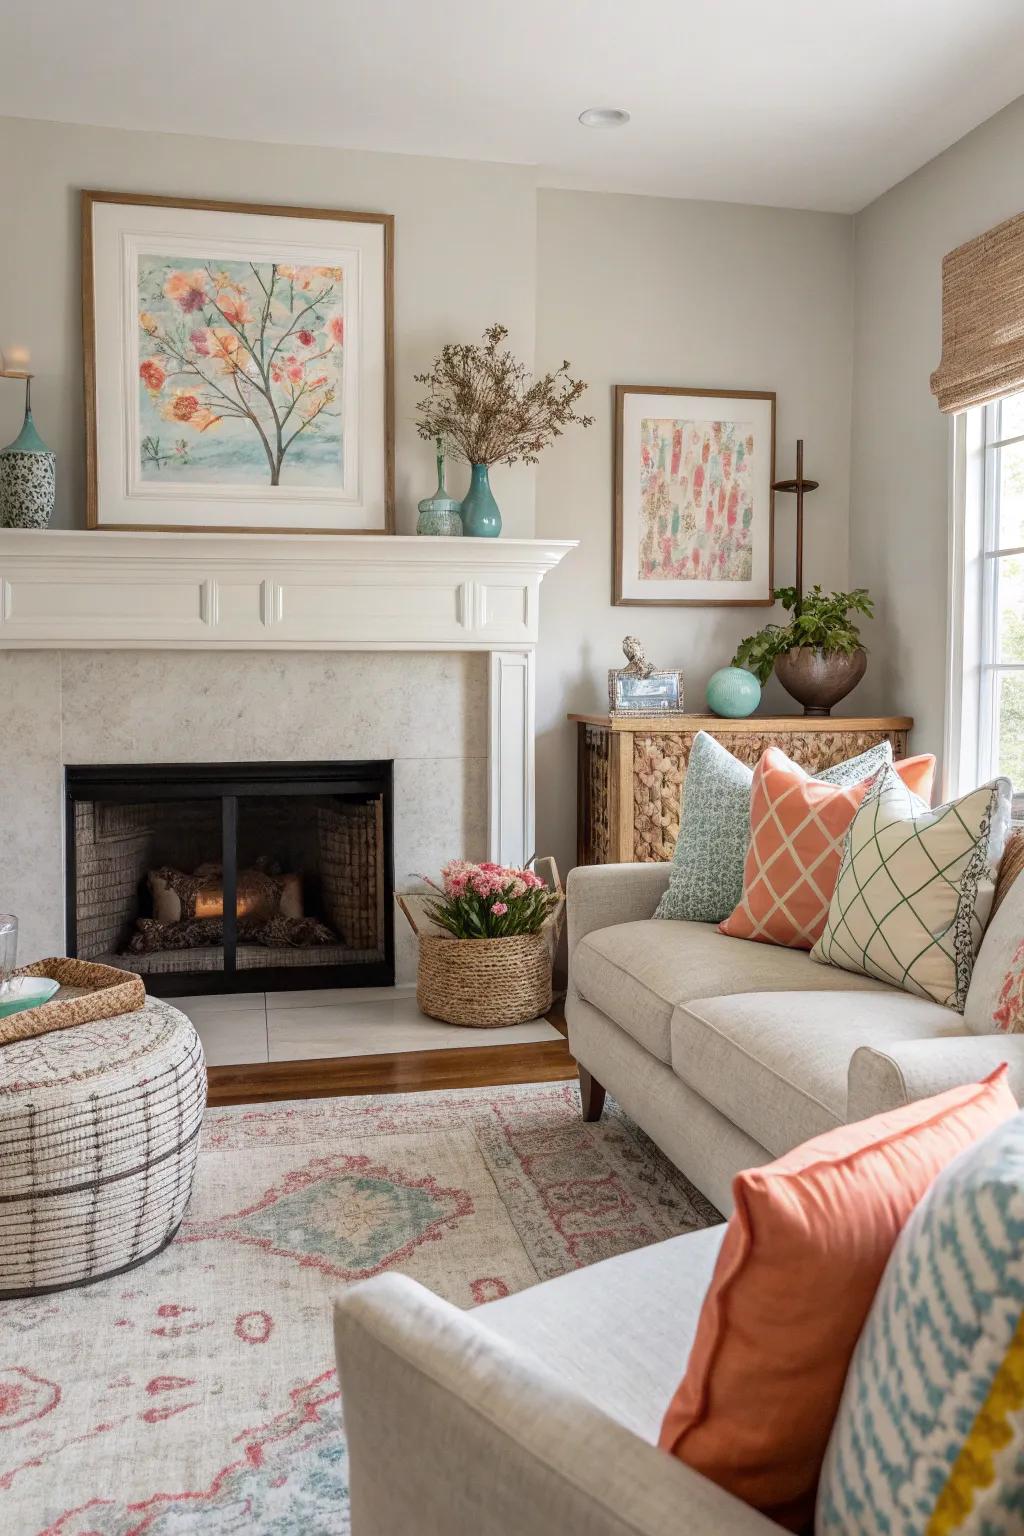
(706, 880)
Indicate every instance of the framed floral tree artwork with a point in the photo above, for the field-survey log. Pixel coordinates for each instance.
(238, 366)
(693, 499)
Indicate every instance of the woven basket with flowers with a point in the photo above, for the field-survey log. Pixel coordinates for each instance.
(486, 945)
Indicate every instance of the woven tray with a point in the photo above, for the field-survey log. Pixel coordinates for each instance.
(104, 991)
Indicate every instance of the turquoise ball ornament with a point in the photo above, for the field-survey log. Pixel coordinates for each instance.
(733, 692)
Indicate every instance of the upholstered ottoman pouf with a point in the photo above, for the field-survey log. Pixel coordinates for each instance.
(99, 1133)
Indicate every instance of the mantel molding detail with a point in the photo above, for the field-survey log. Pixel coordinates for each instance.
(74, 590)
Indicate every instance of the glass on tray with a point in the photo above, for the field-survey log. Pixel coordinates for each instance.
(8, 948)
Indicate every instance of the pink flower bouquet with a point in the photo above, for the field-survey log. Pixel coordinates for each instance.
(490, 901)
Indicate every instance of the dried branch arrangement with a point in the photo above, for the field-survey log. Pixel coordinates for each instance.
(489, 409)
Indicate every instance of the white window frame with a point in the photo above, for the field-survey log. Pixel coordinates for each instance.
(973, 668)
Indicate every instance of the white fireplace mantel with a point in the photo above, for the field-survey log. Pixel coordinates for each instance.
(75, 589)
(103, 590)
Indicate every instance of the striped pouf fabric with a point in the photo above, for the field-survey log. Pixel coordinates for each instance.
(99, 1133)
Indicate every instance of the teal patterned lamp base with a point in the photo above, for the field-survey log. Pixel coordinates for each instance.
(28, 476)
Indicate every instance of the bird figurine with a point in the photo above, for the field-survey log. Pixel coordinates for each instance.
(635, 654)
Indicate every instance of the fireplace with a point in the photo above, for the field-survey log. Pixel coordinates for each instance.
(233, 877)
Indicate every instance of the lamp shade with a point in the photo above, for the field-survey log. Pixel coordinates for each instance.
(14, 362)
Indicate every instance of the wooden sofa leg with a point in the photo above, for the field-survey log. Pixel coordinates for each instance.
(591, 1095)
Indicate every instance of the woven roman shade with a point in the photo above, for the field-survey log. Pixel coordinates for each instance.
(982, 319)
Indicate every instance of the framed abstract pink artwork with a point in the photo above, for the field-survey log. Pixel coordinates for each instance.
(693, 495)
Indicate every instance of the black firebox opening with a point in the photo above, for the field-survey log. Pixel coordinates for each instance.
(233, 877)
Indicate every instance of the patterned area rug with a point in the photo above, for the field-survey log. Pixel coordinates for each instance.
(197, 1394)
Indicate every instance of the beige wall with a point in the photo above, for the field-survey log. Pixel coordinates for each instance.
(650, 291)
(633, 290)
(465, 257)
(900, 444)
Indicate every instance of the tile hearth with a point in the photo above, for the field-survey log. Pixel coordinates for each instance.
(241, 1029)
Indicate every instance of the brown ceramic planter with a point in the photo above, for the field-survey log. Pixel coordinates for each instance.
(819, 679)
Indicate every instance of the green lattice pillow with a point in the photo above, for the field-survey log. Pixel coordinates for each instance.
(706, 880)
(915, 888)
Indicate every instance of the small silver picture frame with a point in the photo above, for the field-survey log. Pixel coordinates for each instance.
(660, 693)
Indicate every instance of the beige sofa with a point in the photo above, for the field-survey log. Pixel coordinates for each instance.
(729, 1053)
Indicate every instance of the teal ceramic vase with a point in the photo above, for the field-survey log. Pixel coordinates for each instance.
(733, 692)
(28, 476)
(439, 514)
(480, 516)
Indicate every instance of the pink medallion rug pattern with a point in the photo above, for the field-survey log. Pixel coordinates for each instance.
(197, 1393)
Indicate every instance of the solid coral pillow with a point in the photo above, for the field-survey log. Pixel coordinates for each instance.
(803, 1254)
(798, 825)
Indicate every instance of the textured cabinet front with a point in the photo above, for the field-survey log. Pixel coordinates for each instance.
(631, 773)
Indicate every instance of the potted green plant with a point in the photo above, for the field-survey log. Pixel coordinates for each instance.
(818, 656)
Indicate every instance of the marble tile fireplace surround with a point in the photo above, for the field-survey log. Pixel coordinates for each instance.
(147, 648)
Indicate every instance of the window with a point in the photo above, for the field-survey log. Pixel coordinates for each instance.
(1002, 659)
(985, 725)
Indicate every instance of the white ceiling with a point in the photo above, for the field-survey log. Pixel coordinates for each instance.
(800, 103)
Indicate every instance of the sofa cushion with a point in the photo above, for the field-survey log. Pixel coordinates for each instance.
(714, 827)
(930, 1431)
(797, 828)
(776, 1063)
(915, 888)
(995, 998)
(587, 1325)
(637, 973)
(797, 1272)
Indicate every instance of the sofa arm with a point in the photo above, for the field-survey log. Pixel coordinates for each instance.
(881, 1079)
(601, 895)
(451, 1428)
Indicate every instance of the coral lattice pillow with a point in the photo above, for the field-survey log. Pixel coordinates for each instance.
(797, 829)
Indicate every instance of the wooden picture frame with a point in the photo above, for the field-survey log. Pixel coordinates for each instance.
(743, 558)
(339, 367)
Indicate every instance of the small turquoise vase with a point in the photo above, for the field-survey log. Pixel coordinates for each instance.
(439, 514)
(733, 692)
(480, 516)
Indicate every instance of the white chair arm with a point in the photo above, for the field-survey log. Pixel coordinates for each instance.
(452, 1429)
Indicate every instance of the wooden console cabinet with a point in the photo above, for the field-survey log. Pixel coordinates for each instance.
(631, 769)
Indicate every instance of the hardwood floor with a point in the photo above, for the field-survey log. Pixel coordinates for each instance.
(475, 1066)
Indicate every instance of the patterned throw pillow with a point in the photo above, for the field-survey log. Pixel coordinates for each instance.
(929, 1438)
(995, 999)
(797, 829)
(706, 880)
(1008, 1014)
(915, 888)
(797, 1273)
